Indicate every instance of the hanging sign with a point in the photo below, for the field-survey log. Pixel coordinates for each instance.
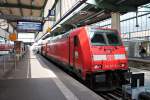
(29, 26)
(13, 37)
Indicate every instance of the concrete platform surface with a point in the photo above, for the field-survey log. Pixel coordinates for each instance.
(36, 78)
(29, 89)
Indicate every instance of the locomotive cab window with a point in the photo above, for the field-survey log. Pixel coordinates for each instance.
(105, 37)
(98, 39)
(113, 39)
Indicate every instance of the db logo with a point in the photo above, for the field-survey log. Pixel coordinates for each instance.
(110, 57)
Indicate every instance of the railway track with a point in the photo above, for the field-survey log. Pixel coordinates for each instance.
(113, 95)
(139, 65)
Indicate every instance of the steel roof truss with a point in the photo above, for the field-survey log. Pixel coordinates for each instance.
(20, 6)
(120, 8)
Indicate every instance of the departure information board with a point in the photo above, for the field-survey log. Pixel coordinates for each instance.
(29, 26)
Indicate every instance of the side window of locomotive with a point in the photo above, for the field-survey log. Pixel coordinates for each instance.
(75, 41)
(98, 39)
(113, 39)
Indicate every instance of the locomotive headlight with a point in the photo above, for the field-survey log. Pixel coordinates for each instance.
(119, 56)
(98, 66)
(122, 64)
(99, 57)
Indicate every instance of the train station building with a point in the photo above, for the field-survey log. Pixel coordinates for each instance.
(74, 50)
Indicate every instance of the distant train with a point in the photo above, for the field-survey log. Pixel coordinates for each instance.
(17, 47)
(96, 55)
(5, 48)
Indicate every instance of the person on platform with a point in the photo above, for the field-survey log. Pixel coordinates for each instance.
(142, 51)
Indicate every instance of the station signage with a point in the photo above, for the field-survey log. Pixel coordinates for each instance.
(50, 16)
(13, 37)
(51, 13)
(25, 26)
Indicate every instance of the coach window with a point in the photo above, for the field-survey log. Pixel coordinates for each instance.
(75, 41)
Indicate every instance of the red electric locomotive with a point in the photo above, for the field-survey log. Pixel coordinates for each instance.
(97, 55)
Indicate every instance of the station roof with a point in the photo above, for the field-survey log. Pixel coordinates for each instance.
(104, 9)
(21, 8)
(92, 11)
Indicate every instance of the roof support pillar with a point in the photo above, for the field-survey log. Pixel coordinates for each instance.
(115, 23)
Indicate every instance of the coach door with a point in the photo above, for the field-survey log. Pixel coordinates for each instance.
(75, 51)
(77, 61)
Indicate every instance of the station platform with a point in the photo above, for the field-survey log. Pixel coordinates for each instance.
(36, 78)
